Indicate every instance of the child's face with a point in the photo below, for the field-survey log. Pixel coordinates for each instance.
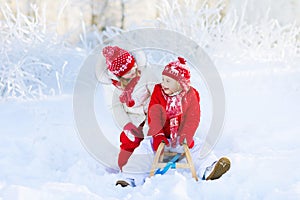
(170, 85)
(131, 74)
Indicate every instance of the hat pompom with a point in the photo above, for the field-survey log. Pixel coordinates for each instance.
(181, 60)
(108, 51)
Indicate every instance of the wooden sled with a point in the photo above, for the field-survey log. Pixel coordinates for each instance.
(159, 163)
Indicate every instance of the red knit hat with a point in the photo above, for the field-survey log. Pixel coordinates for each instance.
(119, 61)
(179, 71)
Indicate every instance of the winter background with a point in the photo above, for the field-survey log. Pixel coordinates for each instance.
(255, 46)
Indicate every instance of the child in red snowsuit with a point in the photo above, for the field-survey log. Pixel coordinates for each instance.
(174, 113)
(173, 118)
(174, 108)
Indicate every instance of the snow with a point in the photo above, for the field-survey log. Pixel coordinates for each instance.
(42, 157)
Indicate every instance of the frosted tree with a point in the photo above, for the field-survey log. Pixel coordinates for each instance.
(265, 40)
(31, 56)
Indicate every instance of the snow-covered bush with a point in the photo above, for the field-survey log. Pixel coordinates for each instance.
(32, 56)
(230, 36)
(35, 60)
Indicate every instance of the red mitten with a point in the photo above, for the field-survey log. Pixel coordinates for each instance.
(189, 140)
(127, 144)
(126, 148)
(137, 132)
(157, 139)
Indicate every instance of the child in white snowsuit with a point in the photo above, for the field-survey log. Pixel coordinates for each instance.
(130, 101)
(173, 117)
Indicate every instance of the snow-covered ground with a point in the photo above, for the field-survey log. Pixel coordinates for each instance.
(41, 156)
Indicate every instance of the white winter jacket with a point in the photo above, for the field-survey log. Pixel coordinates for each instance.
(141, 96)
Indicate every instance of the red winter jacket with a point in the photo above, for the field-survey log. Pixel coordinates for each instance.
(188, 121)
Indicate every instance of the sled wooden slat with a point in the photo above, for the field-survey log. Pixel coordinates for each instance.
(159, 157)
(190, 161)
(156, 158)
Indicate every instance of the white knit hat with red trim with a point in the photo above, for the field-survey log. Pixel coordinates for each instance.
(119, 61)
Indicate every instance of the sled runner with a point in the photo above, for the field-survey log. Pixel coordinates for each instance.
(161, 166)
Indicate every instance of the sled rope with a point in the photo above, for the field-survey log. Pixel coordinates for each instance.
(170, 164)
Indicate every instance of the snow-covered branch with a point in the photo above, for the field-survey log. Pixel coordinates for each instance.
(30, 56)
(230, 35)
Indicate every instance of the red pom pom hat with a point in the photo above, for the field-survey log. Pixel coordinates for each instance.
(179, 71)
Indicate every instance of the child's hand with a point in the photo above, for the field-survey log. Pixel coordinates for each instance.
(157, 139)
(184, 139)
(137, 132)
